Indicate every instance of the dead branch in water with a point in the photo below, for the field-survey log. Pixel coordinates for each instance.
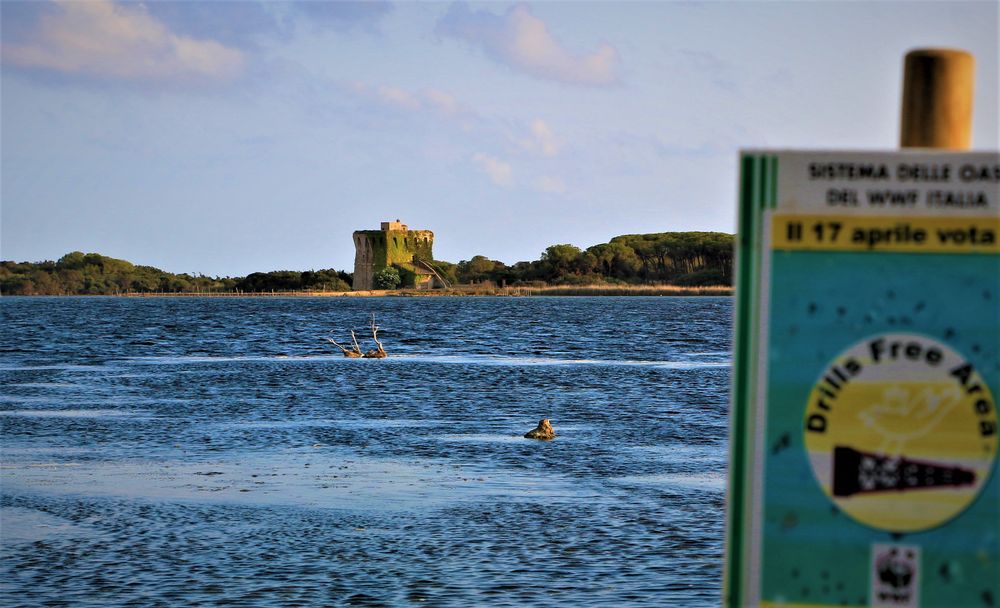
(355, 351)
(377, 353)
(352, 353)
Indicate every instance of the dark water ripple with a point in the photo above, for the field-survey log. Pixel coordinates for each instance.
(219, 452)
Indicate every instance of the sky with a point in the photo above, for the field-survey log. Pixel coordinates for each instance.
(223, 138)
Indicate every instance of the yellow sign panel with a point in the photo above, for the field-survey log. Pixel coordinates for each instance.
(885, 233)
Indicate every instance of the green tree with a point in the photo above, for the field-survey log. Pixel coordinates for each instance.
(387, 278)
(328, 279)
(560, 260)
(480, 268)
(616, 260)
(71, 261)
(561, 255)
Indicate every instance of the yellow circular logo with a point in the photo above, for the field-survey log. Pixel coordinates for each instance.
(901, 432)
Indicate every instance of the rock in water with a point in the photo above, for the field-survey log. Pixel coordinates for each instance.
(544, 431)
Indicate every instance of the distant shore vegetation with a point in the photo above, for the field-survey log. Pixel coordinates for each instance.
(78, 273)
(666, 258)
(688, 259)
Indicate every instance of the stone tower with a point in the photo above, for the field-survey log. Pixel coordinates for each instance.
(394, 244)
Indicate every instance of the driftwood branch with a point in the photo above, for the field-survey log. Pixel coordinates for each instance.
(355, 351)
(375, 329)
(352, 352)
(378, 353)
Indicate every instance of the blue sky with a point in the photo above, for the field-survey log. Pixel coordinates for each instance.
(224, 138)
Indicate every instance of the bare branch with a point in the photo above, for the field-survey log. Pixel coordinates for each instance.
(375, 329)
(334, 342)
(352, 353)
(377, 353)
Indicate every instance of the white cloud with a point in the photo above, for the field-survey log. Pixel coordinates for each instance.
(500, 172)
(546, 140)
(425, 100)
(444, 102)
(522, 41)
(398, 97)
(550, 185)
(99, 38)
(541, 140)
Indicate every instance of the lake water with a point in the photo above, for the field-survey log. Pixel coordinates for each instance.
(220, 452)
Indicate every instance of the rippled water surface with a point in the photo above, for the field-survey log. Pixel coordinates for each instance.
(221, 452)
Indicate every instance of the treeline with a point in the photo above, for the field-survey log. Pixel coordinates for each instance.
(291, 280)
(77, 273)
(677, 258)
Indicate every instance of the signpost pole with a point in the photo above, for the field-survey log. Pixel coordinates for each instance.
(937, 99)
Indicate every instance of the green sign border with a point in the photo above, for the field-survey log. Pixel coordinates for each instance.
(758, 191)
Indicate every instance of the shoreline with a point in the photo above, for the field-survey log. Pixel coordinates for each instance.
(465, 291)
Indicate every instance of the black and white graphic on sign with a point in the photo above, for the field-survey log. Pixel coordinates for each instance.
(895, 576)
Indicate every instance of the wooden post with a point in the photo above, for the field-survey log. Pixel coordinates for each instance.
(937, 99)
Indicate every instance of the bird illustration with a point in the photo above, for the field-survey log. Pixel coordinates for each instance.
(901, 417)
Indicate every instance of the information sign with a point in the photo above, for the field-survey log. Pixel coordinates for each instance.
(867, 367)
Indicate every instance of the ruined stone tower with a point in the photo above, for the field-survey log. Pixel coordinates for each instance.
(393, 245)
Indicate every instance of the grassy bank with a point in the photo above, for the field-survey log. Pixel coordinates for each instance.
(463, 290)
(632, 290)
